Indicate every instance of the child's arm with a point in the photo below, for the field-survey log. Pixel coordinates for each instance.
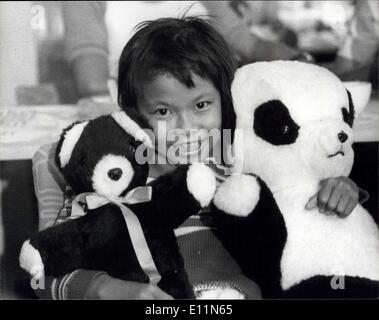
(74, 285)
(336, 196)
(105, 287)
(49, 187)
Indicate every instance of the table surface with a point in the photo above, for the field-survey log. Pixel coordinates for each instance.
(23, 129)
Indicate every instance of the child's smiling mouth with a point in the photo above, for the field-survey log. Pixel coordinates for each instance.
(190, 147)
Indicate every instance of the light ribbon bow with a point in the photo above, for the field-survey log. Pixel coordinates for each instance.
(137, 195)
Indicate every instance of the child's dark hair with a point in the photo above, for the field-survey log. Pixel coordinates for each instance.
(180, 47)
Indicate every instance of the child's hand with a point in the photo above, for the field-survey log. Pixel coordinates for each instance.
(107, 288)
(336, 196)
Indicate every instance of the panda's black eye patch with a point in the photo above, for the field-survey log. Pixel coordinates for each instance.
(348, 116)
(82, 161)
(273, 123)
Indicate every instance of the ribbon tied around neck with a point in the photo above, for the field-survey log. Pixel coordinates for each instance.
(137, 195)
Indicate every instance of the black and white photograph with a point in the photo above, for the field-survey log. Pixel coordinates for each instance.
(239, 157)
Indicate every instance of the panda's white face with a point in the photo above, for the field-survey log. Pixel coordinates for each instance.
(325, 147)
(111, 175)
(296, 122)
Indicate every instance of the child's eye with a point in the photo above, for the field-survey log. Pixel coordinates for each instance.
(162, 112)
(202, 105)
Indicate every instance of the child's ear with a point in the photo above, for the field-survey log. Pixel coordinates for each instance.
(67, 142)
(360, 94)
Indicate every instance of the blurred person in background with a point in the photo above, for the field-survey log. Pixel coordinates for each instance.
(95, 32)
(357, 59)
(262, 19)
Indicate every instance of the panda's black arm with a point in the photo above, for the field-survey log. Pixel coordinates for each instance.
(60, 248)
(171, 199)
(256, 242)
(67, 246)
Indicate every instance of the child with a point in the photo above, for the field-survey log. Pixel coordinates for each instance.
(178, 72)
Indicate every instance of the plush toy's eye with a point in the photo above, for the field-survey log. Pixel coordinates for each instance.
(115, 174)
(273, 123)
(132, 148)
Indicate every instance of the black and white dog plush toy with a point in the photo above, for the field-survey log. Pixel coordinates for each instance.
(293, 129)
(128, 227)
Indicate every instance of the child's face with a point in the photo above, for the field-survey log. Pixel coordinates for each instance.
(168, 105)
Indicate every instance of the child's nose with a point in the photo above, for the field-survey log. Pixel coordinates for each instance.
(186, 122)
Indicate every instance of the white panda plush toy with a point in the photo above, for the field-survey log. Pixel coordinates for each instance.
(293, 129)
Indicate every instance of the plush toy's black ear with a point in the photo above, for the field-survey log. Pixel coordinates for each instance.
(134, 125)
(141, 121)
(138, 118)
(348, 116)
(60, 143)
(274, 124)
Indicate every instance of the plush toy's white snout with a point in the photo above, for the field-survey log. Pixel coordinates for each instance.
(333, 136)
(326, 146)
(112, 175)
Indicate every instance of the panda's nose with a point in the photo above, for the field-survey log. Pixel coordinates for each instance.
(115, 174)
(342, 136)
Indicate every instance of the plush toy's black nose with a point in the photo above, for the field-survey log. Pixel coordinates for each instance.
(342, 136)
(115, 174)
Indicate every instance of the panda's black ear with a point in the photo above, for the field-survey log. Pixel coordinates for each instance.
(274, 124)
(134, 125)
(348, 115)
(67, 142)
(138, 118)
